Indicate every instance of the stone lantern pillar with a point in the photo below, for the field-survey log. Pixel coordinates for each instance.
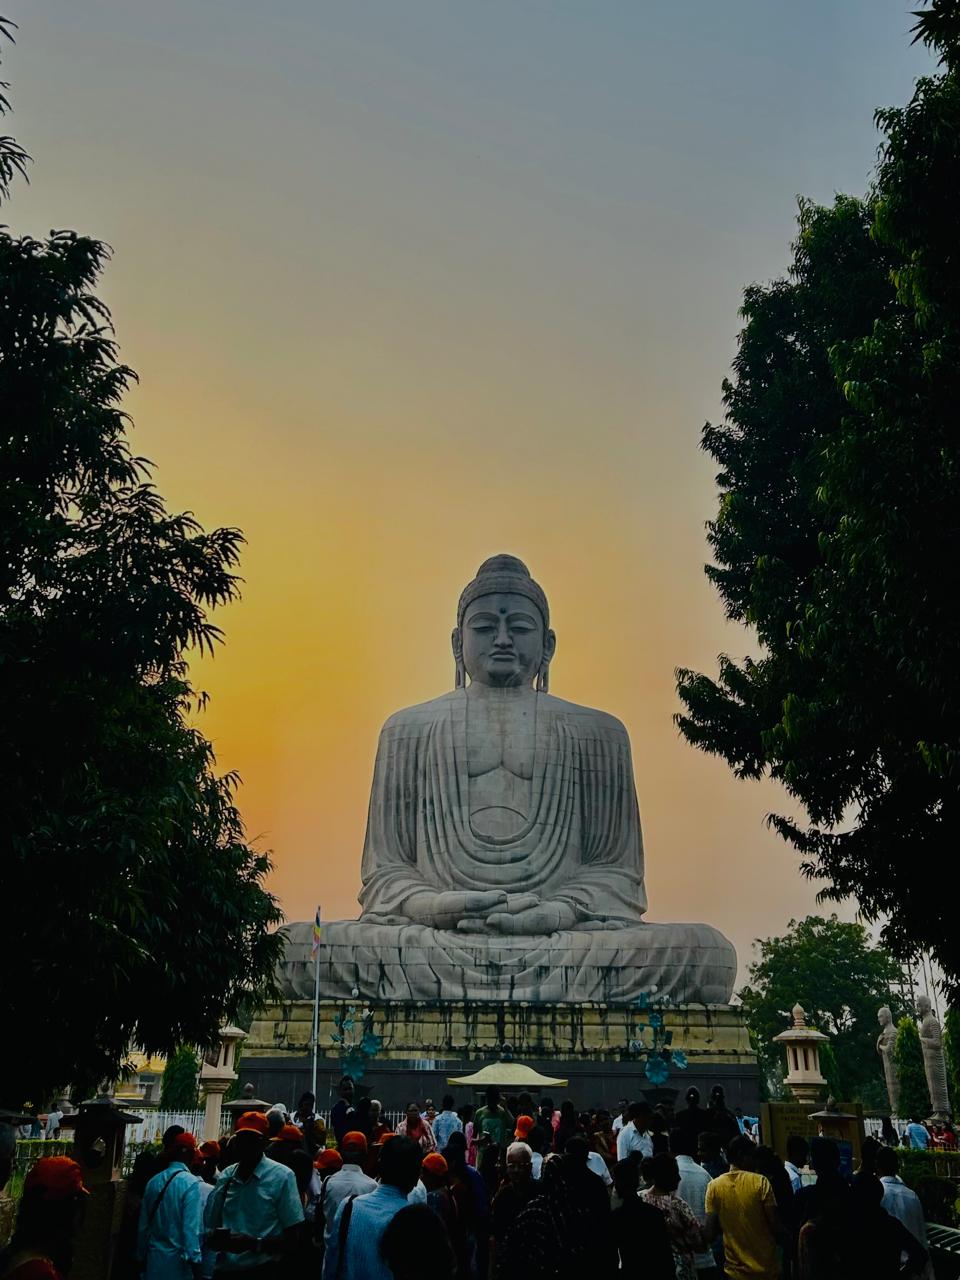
(216, 1077)
(802, 1045)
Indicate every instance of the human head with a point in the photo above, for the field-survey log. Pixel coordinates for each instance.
(546, 1108)
(353, 1148)
(307, 1104)
(798, 1150)
(887, 1163)
(869, 1150)
(329, 1161)
(183, 1147)
(493, 1096)
(400, 1164)
(456, 1150)
(415, 1245)
(447, 1103)
(250, 1138)
(276, 1119)
(640, 1115)
(740, 1152)
(433, 1171)
(503, 635)
(536, 1140)
(709, 1146)
(681, 1143)
(519, 1165)
(50, 1210)
(603, 1121)
(525, 1126)
(413, 1115)
(693, 1096)
(376, 1107)
(345, 1088)
(824, 1156)
(290, 1135)
(717, 1096)
(575, 1152)
(626, 1178)
(661, 1170)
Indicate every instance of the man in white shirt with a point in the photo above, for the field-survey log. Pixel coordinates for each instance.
(254, 1213)
(349, 1181)
(694, 1181)
(620, 1119)
(447, 1122)
(635, 1134)
(168, 1236)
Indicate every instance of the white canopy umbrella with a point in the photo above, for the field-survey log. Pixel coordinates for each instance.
(507, 1075)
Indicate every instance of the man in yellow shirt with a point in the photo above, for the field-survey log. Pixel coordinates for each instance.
(741, 1205)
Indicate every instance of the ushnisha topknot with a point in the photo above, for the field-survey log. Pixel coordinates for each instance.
(504, 573)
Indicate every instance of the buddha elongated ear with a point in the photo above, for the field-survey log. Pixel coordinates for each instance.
(456, 642)
(549, 649)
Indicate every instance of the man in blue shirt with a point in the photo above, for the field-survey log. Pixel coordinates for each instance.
(168, 1237)
(918, 1135)
(361, 1221)
(253, 1214)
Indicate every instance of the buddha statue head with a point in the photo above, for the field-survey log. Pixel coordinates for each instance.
(503, 637)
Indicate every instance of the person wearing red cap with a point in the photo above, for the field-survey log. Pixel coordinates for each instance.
(169, 1234)
(254, 1214)
(350, 1181)
(50, 1210)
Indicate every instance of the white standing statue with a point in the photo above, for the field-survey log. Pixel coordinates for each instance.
(931, 1041)
(503, 858)
(885, 1046)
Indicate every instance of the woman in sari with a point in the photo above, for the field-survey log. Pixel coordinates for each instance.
(414, 1126)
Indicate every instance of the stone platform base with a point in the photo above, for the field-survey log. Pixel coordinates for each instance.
(424, 1042)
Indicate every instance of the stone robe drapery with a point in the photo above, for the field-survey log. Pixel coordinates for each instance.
(581, 843)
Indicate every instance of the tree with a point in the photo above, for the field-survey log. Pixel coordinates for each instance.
(179, 1087)
(951, 1047)
(135, 909)
(908, 1055)
(841, 980)
(837, 530)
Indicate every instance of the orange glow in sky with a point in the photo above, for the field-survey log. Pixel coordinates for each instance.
(408, 285)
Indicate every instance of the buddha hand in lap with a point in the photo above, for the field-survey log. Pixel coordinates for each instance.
(503, 839)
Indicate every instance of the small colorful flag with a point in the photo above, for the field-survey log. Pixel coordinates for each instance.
(316, 934)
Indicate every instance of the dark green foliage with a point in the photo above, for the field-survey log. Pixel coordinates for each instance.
(838, 531)
(951, 1050)
(135, 910)
(934, 1176)
(179, 1090)
(908, 1055)
(830, 968)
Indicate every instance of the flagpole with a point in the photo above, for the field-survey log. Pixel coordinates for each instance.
(316, 1001)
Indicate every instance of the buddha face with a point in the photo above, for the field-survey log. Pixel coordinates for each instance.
(503, 640)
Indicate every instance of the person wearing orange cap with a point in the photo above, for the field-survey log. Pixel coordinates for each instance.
(169, 1233)
(254, 1214)
(435, 1176)
(50, 1211)
(350, 1181)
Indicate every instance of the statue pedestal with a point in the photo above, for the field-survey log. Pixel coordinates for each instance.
(424, 1042)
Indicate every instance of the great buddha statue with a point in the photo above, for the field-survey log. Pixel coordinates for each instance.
(503, 856)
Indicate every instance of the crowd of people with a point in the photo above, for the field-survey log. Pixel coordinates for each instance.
(511, 1190)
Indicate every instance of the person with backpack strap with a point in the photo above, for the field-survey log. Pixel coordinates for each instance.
(168, 1238)
(353, 1248)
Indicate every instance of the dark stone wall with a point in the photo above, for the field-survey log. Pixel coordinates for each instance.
(591, 1084)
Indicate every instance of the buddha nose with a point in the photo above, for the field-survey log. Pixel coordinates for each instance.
(503, 640)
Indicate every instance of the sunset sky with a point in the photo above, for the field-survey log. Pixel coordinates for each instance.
(408, 283)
